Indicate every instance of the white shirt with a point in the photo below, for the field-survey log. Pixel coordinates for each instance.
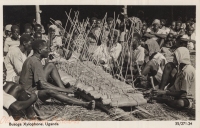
(13, 62)
(115, 51)
(165, 30)
(138, 54)
(10, 43)
(190, 45)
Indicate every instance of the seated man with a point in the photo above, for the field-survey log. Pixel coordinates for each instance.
(18, 102)
(173, 28)
(163, 27)
(14, 105)
(190, 35)
(156, 33)
(109, 52)
(34, 78)
(182, 92)
(154, 67)
(134, 53)
(16, 57)
(16, 99)
(13, 40)
(179, 31)
(169, 43)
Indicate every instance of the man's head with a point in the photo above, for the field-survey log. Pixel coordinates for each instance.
(110, 21)
(162, 23)
(135, 41)
(156, 24)
(38, 36)
(15, 32)
(188, 23)
(28, 30)
(40, 47)
(98, 23)
(115, 36)
(190, 31)
(144, 23)
(144, 29)
(52, 30)
(173, 25)
(38, 28)
(8, 30)
(26, 41)
(93, 21)
(170, 37)
(178, 25)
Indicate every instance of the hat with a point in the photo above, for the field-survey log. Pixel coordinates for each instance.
(184, 38)
(58, 22)
(54, 27)
(156, 21)
(8, 27)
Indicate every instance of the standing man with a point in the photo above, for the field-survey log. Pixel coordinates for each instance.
(13, 40)
(16, 57)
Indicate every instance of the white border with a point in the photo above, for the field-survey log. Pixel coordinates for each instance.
(115, 124)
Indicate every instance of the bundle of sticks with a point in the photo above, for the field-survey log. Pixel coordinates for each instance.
(94, 80)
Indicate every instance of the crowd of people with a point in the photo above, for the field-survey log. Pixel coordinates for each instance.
(128, 48)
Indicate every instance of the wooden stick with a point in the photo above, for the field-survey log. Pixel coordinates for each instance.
(70, 38)
(67, 20)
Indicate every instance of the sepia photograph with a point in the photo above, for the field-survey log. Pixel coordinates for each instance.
(99, 63)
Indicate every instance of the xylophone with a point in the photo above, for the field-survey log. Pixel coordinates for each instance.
(93, 81)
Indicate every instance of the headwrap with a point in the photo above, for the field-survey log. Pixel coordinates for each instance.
(156, 21)
(182, 55)
(54, 27)
(153, 46)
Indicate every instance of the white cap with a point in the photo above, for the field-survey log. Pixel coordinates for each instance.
(8, 27)
(53, 27)
(156, 21)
